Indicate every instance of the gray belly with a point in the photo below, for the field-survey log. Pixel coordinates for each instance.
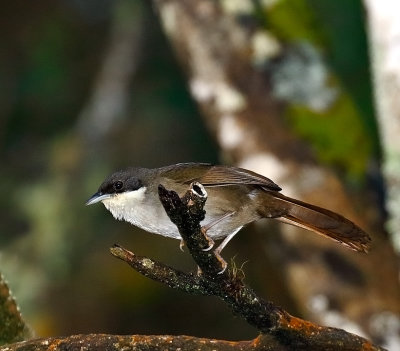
(159, 223)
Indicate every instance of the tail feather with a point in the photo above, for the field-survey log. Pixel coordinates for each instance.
(324, 222)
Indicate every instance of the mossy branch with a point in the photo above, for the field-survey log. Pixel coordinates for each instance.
(12, 326)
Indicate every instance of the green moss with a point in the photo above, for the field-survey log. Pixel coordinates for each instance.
(294, 20)
(336, 135)
(339, 134)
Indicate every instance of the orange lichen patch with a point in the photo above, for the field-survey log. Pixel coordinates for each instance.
(299, 324)
(151, 339)
(53, 344)
(367, 346)
(257, 341)
(226, 342)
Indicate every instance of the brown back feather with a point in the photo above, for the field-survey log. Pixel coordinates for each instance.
(210, 175)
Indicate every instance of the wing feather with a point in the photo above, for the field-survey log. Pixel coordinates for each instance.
(210, 175)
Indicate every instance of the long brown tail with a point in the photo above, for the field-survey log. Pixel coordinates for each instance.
(324, 222)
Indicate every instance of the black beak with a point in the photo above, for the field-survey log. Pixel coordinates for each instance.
(97, 197)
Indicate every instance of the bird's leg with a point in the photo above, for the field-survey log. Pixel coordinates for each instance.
(208, 226)
(218, 250)
(225, 242)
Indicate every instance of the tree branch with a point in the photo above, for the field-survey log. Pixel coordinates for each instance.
(138, 343)
(275, 324)
(161, 273)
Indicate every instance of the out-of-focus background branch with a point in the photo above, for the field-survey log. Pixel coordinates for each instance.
(281, 87)
(384, 38)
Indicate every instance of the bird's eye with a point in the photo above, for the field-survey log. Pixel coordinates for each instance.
(118, 185)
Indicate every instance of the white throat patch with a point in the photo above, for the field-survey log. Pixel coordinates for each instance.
(124, 205)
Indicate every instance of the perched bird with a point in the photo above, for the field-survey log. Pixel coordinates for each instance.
(236, 197)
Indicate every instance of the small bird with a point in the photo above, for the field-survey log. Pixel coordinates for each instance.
(236, 197)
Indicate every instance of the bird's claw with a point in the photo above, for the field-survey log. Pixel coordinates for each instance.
(199, 271)
(223, 269)
(222, 261)
(210, 243)
(181, 245)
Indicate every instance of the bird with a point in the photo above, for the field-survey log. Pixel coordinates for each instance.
(236, 197)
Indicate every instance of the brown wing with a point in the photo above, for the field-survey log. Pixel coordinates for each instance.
(210, 175)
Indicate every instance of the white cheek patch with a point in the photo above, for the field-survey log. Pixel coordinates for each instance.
(123, 205)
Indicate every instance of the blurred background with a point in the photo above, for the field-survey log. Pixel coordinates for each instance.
(89, 87)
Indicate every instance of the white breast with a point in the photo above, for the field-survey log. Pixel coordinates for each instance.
(138, 209)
